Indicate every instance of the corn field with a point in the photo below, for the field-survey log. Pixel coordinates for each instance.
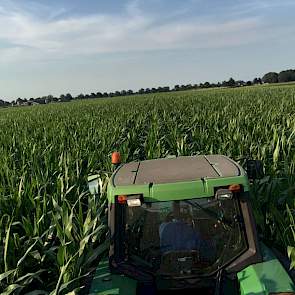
(53, 232)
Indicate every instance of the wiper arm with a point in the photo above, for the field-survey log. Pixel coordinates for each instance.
(211, 213)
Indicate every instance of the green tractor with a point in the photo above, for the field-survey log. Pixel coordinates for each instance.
(184, 225)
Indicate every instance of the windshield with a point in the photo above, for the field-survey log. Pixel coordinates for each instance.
(187, 237)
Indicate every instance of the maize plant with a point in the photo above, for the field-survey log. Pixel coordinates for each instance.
(291, 249)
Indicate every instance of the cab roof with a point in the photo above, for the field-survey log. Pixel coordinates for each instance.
(178, 169)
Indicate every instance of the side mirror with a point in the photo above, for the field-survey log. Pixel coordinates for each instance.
(93, 184)
(254, 169)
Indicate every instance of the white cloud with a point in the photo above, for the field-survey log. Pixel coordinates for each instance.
(35, 38)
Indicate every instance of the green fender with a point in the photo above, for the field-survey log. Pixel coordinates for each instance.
(266, 277)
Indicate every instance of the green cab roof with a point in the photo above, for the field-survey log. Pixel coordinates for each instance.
(176, 178)
(179, 169)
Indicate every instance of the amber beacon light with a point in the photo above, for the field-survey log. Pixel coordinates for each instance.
(116, 158)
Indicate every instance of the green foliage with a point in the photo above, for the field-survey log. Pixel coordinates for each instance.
(286, 76)
(53, 233)
(291, 249)
(270, 77)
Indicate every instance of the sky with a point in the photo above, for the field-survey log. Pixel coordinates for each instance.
(83, 46)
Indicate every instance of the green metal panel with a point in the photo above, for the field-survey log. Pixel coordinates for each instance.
(266, 277)
(105, 283)
(176, 191)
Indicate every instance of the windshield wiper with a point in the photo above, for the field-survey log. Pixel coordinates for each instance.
(140, 262)
(136, 271)
(212, 214)
(218, 282)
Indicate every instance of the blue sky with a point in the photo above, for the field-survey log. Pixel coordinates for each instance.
(60, 46)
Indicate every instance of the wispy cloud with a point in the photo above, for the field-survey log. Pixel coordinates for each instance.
(258, 7)
(29, 36)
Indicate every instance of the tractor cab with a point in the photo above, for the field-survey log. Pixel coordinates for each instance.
(182, 224)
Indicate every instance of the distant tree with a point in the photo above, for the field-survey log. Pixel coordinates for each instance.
(98, 94)
(130, 92)
(231, 82)
(257, 81)
(207, 85)
(176, 88)
(224, 84)
(286, 76)
(105, 94)
(80, 96)
(19, 101)
(68, 96)
(270, 77)
(248, 83)
(4, 103)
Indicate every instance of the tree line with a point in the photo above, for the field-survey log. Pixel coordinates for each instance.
(271, 77)
(282, 77)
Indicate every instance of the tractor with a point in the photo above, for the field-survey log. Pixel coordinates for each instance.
(184, 225)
